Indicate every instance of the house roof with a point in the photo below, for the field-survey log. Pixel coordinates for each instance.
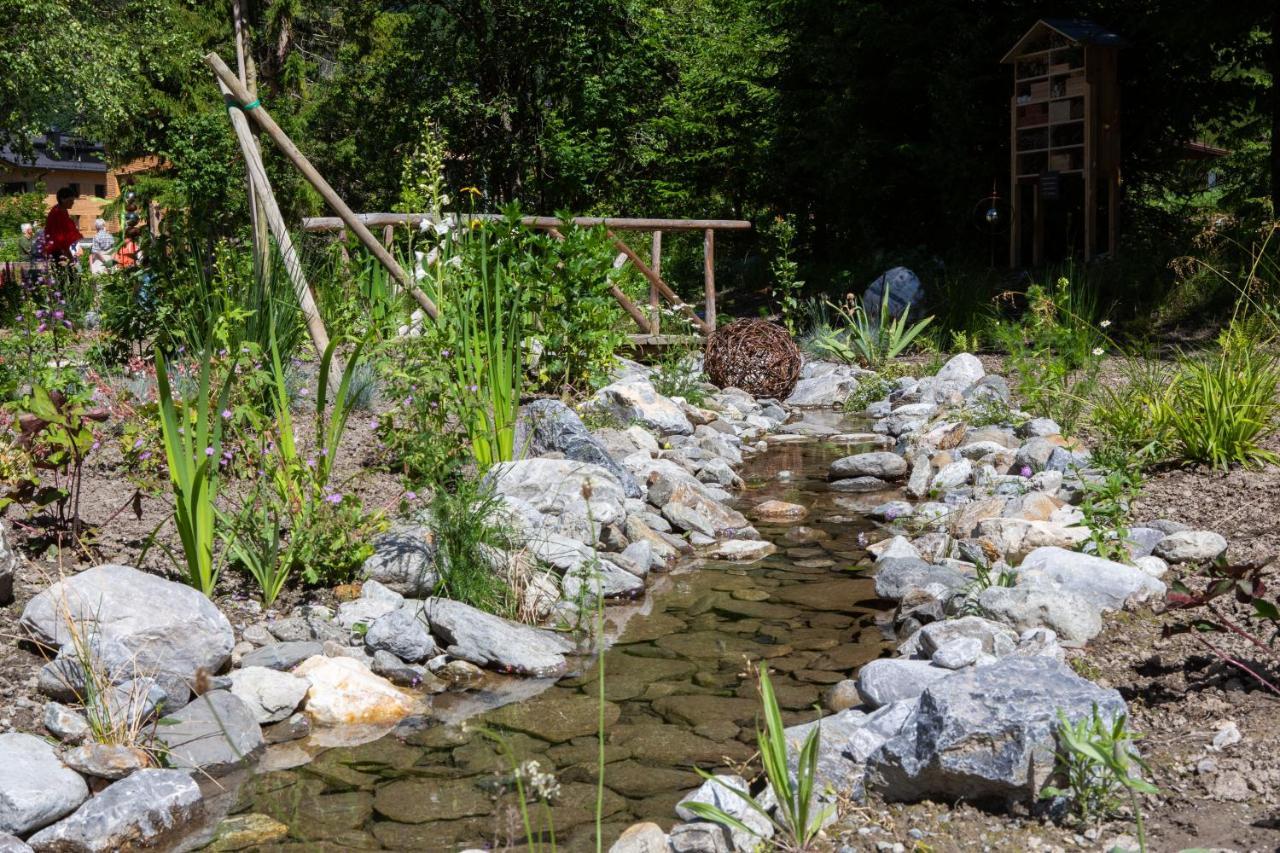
(1079, 30)
(60, 152)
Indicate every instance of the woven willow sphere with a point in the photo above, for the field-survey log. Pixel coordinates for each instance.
(755, 355)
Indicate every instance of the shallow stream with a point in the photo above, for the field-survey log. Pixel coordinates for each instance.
(676, 684)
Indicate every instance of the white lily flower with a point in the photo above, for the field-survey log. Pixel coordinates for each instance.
(424, 225)
(442, 228)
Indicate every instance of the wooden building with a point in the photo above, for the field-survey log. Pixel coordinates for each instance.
(61, 160)
(1065, 142)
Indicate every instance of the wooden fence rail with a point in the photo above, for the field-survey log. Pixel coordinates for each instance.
(651, 269)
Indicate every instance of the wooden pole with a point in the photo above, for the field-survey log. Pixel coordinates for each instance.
(657, 282)
(285, 144)
(655, 302)
(623, 299)
(271, 211)
(334, 223)
(258, 216)
(709, 275)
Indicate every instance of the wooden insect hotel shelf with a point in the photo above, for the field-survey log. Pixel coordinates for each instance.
(1065, 142)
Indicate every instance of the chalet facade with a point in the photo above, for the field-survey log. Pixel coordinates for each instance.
(62, 160)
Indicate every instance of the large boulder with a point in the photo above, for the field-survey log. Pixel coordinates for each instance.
(1106, 584)
(170, 629)
(1191, 546)
(493, 642)
(881, 464)
(1072, 617)
(961, 371)
(583, 569)
(403, 559)
(402, 632)
(36, 788)
(1016, 538)
(986, 734)
(555, 488)
(637, 401)
(216, 734)
(150, 809)
(829, 386)
(726, 792)
(271, 695)
(888, 680)
(895, 576)
(549, 426)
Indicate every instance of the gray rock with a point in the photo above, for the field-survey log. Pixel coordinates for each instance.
(403, 633)
(35, 787)
(493, 642)
(8, 568)
(995, 639)
(216, 734)
(583, 568)
(892, 511)
(1039, 428)
(986, 734)
(1141, 541)
(718, 472)
(151, 808)
(106, 761)
(961, 371)
(1040, 642)
(549, 426)
(1034, 454)
(895, 576)
(14, 844)
(881, 464)
(403, 559)
(362, 611)
(282, 656)
(990, 387)
(555, 488)
(859, 485)
(397, 671)
(1064, 460)
(1106, 584)
(1165, 525)
(642, 555)
(718, 792)
(375, 590)
(637, 401)
(271, 695)
(958, 653)
(1152, 565)
(700, 837)
(170, 629)
(887, 680)
(66, 724)
(831, 389)
(845, 741)
(1075, 619)
(921, 473)
(953, 475)
(295, 727)
(1191, 546)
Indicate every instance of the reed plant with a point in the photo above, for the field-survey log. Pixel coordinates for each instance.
(192, 433)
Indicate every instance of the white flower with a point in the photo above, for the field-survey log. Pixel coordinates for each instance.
(433, 256)
(444, 199)
(1105, 323)
(424, 225)
(455, 261)
(1097, 350)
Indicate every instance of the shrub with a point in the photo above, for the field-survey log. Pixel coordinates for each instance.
(866, 340)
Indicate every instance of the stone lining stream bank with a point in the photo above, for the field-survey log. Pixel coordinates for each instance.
(965, 711)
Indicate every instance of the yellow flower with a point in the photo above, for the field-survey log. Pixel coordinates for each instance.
(475, 191)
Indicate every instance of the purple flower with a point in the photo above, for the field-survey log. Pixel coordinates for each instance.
(95, 445)
(208, 451)
(40, 328)
(334, 498)
(1025, 471)
(137, 444)
(890, 514)
(302, 392)
(226, 414)
(472, 388)
(57, 315)
(311, 463)
(411, 496)
(144, 456)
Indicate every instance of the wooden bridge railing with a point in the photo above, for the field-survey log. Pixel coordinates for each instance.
(651, 269)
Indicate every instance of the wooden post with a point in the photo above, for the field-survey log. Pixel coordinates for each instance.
(657, 282)
(388, 235)
(262, 190)
(257, 214)
(655, 302)
(709, 275)
(285, 144)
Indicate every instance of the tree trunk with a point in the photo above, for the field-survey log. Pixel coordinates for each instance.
(1275, 112)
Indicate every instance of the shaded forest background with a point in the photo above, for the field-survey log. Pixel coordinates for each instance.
(878, 125)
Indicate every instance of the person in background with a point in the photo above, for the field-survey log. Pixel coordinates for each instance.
(127, 256)
(27, 240)
(102, 258)
(61, 235)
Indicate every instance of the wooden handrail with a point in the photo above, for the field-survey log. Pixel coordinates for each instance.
(334, 223)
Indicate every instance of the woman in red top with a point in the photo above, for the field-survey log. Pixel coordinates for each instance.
(60, 233)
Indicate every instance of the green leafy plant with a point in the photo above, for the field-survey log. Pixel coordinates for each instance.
(192, 433)
(870, 341)
(1131, 418)
(780, 236)
(1099, 769)
(870, 389)
(797, 822)
(1225, 404)
(1105, 507)
(54, 433)
(469, 530)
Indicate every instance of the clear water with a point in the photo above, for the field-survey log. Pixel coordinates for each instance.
(676, 685)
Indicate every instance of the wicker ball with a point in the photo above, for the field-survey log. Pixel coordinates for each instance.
(755, 355)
